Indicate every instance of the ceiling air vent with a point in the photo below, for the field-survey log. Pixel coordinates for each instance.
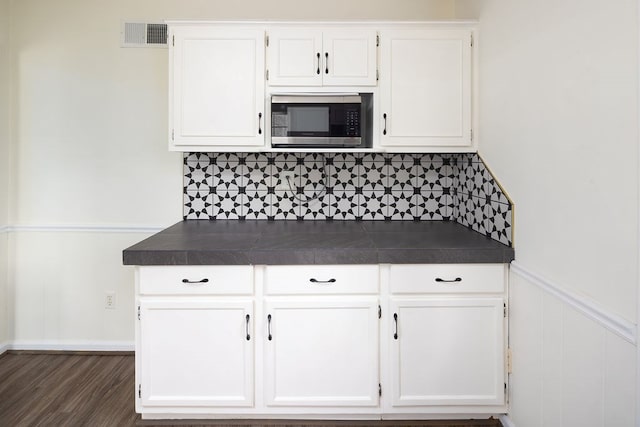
(142, 34)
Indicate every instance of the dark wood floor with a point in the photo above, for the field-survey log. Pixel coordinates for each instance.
(97, 390)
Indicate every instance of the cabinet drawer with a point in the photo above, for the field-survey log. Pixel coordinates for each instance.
(447, 278)
(321, 279)
(197, 280)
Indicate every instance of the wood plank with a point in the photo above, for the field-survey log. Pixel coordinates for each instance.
(98, 390)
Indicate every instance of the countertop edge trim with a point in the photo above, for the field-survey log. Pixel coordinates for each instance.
(611, 321)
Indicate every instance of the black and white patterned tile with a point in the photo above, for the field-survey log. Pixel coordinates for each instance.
(400, 172)
(495, 193)
(432, 205)
(228, 172)
(347, 186)
(433, 172)
(373, 174)
(398, 206)
(344, 172)
(283, 205)
(255, 205)
(344, 205)
(198, 172)
(197, 205)
(318, 208)
(314, 178)
(371, 205)
(227, 205)
(499, 222)
(259, 172)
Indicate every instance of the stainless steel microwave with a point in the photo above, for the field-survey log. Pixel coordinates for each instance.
(318, 121)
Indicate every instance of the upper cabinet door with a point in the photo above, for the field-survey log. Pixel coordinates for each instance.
(425, 88)
(217, 87)
(295, 58)
(349, 58)
(316, 58)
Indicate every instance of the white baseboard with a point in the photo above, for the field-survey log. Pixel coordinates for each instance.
(584, 305)
(72, 345)
(4, 347)
(506, 421)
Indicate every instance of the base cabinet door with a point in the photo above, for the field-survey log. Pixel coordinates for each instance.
(196, 352)
(447, 351)
(321, 352)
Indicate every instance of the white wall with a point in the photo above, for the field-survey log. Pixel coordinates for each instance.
(90, 149)
(559, 127)
(4, 170)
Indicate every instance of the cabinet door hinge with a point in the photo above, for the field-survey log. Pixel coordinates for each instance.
(173, 40)
(377, 39)
(379, 390)
(471, 132)
(267, 74)
(504, 312)
(139, 390)
(138, 312)
(266, 40)
(379, 312)
(471, 40)
(173, 134)
(509, 361)
(377, 75)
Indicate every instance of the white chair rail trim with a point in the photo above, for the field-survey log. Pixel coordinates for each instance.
(586, 306)
(79, 228)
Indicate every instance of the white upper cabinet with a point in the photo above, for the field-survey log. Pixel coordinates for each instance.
(216, 95)
(338, 57)
(425, 88)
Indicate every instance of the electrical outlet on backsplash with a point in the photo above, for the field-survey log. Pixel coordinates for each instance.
(347, 186)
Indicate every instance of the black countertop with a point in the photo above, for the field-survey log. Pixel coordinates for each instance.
(234, 242)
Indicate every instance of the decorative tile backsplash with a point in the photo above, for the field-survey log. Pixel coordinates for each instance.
(347, 186)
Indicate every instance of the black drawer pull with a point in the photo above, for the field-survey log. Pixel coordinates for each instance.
(322, 281)
(326, 62)
(248, 336)
(395, 322)
(195, 282)
(384, 131)
(259, 123)
(269, 326)
(318, 70)
(457, 279)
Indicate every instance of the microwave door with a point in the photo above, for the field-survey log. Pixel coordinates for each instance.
(310, 121)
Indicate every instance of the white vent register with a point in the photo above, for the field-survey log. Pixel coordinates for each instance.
(142, 34)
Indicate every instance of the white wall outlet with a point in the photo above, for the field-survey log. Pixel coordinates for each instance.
(286, 181)
(110, 300)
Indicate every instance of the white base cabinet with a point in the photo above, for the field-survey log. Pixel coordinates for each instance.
(346, 341)
(196, 352)
(322, 352)
(447, 351)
